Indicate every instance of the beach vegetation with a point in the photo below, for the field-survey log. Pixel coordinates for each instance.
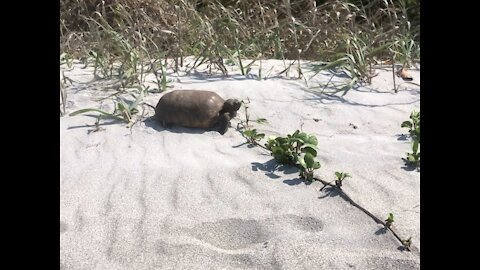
(389, 220)
(298, 149)
(124, 110)
(251, 134)
(338, 182)
(413, 126)
(340, 177)
(127, 40)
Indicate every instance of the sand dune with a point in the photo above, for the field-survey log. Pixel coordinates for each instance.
(178, 198)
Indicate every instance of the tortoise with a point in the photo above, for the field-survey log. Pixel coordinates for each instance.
(196, 109)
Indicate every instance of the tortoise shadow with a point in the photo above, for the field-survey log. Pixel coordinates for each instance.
(109, 122)
(149, 122)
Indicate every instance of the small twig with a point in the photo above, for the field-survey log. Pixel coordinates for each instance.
(262, 146)
(327, 184)
(376, 219)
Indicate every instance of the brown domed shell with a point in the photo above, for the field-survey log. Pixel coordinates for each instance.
(189, 108)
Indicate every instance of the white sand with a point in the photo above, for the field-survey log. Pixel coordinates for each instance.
(191, 199)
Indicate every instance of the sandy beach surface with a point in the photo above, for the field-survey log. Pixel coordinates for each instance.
(179, 198)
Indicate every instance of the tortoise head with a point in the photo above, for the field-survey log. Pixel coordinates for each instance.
(231, 106)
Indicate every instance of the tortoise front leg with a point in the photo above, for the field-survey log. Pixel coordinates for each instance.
(223, 123)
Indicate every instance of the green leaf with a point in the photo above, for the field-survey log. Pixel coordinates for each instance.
(278, 151)
(338, 175)
(259, 136)
(308, 149)
(406, 124)
(270, 144)
(380, 49)
(316, 165)
(337, 63)
(309, 159)
(311, 140)
(311, 145)
(302, 162)
(302, 137)
(389, 220)
(249, 133)
(137, 100)
(281, 140)
(295, 143)
(415, 146)
(121, 107)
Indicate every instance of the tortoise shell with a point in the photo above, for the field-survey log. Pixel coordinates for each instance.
(192, 108)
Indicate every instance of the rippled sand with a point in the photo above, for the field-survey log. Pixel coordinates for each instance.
(178, 198)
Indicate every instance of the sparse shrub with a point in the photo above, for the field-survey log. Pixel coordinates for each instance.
(297, 149)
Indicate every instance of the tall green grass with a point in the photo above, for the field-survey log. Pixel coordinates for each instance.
(287, 29)
(126, 39)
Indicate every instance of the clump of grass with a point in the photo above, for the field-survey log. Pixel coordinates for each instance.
(356, 62)
(124, 111)
(128, 39)
(130, 32)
